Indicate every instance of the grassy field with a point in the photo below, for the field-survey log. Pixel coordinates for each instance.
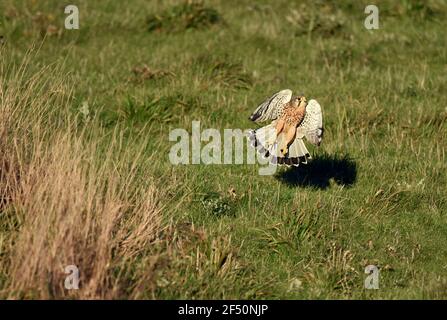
(85, 177)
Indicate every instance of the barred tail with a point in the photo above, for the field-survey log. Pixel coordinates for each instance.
(259, 137)
(298, 154)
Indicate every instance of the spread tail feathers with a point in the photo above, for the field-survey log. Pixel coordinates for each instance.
(298, 153)
(261, 138)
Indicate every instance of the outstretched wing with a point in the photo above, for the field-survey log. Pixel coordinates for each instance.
(312, 125)
(272, 107)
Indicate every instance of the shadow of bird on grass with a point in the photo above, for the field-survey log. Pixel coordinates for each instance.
(319, 172)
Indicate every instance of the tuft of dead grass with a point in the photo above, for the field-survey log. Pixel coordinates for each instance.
(188, 15)
(144, 72)
(325, 22)
(68, 200)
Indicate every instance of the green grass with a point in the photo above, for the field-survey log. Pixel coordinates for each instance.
(375, 191)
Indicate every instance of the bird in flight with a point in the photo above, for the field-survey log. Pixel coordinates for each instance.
(293, 118)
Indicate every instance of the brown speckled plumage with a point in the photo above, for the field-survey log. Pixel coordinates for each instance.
(289, 119)
(293, 115)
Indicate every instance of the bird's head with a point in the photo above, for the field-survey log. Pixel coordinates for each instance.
(299, 100)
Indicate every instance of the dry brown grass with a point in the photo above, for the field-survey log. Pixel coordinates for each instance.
(65, 202)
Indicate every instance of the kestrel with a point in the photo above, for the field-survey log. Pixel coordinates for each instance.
(293, 118)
